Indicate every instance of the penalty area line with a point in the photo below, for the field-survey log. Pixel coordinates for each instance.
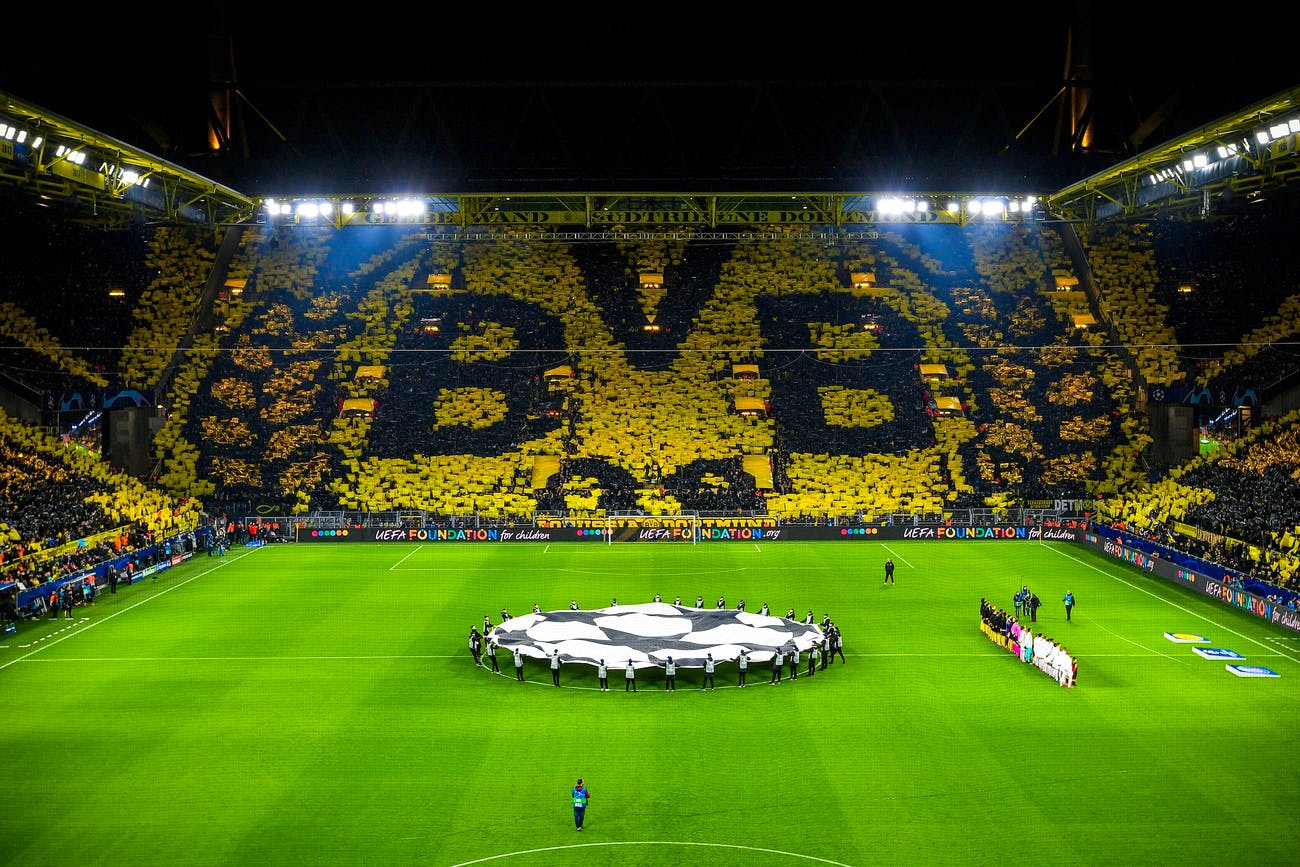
(899, 556)
(407, 557)
(135, 605)
(1170, 602)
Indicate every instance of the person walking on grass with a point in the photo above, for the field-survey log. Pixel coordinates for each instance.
(1069, 604)
(475, 645)
(492, 655)
(580, 799)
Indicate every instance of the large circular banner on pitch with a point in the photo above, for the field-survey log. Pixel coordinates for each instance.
(649, 633)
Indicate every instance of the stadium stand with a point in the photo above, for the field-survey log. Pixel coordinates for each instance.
(801, 375)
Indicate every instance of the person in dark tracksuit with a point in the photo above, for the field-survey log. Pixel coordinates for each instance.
(889, 570)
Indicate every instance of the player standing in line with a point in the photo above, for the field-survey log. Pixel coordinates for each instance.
(630, 674)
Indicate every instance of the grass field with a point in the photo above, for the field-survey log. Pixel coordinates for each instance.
(317, 704)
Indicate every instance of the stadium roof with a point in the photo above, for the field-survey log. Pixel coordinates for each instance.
(569, 100)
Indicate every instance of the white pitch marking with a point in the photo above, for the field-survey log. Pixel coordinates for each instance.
(1174, 604)
(92, 625)
(891, 551)
(1132, 642)
(404, 559)
(652, 843)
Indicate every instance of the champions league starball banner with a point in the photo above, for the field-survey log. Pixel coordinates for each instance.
(651, 633)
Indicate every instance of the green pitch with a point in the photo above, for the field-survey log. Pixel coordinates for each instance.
(317, 704)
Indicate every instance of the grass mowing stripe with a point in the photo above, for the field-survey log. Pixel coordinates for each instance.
(308, 707)
(1169, 602)
(133, 605)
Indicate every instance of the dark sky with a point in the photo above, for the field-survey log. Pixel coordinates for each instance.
(715, 97)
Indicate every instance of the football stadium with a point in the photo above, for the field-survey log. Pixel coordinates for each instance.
(717, 465)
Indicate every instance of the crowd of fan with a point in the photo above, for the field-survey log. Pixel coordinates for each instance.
(44, 503)
(66, 271)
